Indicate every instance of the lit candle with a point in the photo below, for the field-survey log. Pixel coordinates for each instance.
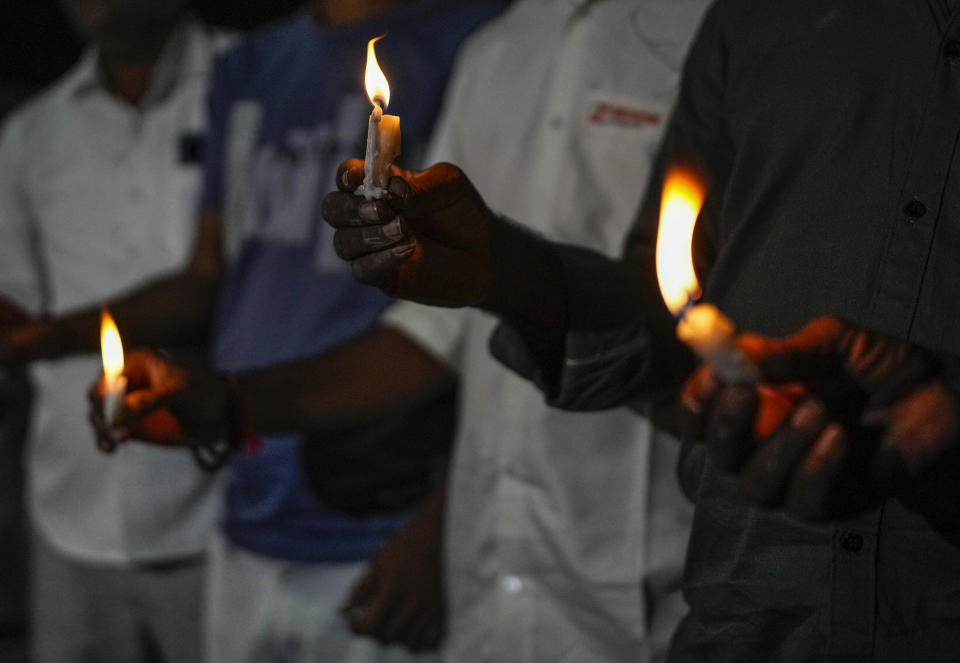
(114, 380)
(703, 327)
(383, 131)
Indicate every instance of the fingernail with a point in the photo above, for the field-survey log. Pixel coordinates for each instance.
(345, 179)
(827, 447)
(404, 249)
(393, 230)
(807, 416)
(368, 212)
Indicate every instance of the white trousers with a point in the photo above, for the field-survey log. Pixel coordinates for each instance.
(264, 610)
(110, 613)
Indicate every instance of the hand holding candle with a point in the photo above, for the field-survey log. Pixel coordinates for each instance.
(383, 131)
(115, 383)
(703, 327)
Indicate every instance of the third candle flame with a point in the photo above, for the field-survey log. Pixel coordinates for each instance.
(110, 346)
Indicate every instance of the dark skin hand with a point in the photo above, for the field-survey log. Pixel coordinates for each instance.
(433, 240)
(167, 403)
(870, 415)
(400, 598)
(428, 241)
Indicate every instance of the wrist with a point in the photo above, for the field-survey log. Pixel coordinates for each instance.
(527, 284)
(40, 338)
(233, 433)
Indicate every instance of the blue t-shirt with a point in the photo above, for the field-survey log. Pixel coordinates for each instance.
(287, 106)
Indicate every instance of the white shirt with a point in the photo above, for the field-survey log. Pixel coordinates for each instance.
(559, 525)
(94, 199)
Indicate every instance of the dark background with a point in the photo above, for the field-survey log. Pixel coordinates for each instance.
(36, 45)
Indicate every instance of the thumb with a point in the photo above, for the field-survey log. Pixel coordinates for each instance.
(140, 404)
(350, 175)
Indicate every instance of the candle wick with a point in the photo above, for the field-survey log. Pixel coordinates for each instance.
(691, 302)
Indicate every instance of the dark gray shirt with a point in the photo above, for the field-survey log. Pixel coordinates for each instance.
(828, 130)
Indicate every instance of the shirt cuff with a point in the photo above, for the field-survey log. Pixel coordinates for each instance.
(606, 348)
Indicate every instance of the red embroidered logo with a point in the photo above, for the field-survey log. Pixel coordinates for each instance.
(607, 113)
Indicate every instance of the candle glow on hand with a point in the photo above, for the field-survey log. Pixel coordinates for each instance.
(112, 352)
(383, 131)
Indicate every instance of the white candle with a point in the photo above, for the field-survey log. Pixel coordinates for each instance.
(712, 335)
(115, 383)
(383, 132)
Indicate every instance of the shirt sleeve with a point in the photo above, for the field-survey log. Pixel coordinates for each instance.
(20, 276)
(620, 344)
(439, 331)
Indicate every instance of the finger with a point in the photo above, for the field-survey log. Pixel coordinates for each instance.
(360, 595)
(814, 350)
(770, 469)
(380, 269)
(341, 209)
(776, 404)
(347, 210)
(140, 404)
(811, 492)
(696, 398)
(353, 243)
(730, 425)
(350, 175)
(426, 631)
(378, 611)
(399, 188)
(920, 428)
(139, 366)
(401, 622)
(107, 437)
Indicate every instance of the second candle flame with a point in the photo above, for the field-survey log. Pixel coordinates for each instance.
(376, 83)
(683, 194)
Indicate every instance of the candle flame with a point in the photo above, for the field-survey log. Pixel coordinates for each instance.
(376, 82)
(110, 345)
(683, 194)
